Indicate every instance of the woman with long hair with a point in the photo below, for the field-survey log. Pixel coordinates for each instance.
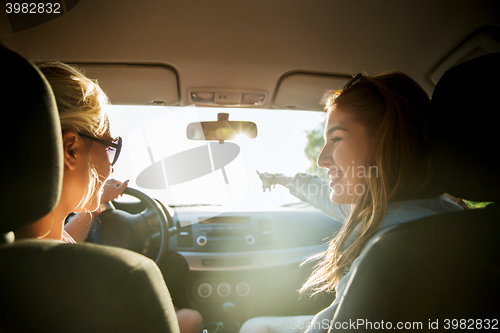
(89, 153)
(378, 158)
(89, 150)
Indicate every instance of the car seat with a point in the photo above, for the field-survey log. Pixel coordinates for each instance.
(443, 271)
(50, 286)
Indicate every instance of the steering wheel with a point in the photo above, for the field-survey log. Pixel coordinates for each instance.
(141, 226)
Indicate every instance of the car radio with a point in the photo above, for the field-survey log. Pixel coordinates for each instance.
(216, 233)
(221, 234)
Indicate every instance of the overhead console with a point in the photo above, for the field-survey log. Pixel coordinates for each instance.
(227, 97)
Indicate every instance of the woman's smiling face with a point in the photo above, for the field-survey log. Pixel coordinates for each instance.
(346, 155)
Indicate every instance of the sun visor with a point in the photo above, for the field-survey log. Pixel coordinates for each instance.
(135, 84)
(306, 91)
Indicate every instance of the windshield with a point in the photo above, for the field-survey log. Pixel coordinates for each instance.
(154, 135)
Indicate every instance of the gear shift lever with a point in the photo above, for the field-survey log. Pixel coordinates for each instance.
(228, 311)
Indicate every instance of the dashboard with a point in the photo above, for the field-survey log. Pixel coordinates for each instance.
(247, 259)
(240, 265)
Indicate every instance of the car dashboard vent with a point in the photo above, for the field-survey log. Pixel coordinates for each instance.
(185, 235)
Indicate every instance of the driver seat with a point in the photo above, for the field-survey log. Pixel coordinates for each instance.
(48, 285)
(443, 271)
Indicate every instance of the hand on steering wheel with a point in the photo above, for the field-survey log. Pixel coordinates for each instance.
(145, 232)
(113, 189)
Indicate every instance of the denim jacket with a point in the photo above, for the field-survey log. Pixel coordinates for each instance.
(316, 192)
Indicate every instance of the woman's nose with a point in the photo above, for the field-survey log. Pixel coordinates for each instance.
(324, 158)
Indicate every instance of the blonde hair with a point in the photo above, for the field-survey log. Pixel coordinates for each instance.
(397, 124)
(80, 104)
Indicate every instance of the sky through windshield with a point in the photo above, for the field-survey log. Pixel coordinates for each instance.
(152, 135)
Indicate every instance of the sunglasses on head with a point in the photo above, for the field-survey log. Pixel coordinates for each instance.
(114, 149)
(365, 81)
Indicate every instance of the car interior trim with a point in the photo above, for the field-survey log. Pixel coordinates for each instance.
(199, 261)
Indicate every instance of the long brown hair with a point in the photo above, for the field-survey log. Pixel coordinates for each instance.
(397, 123)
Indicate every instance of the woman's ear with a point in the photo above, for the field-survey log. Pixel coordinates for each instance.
(72, 144)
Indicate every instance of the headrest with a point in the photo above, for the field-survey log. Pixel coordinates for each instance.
(31, 139)
(465, 129)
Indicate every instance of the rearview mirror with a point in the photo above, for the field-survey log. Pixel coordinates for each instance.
(221, 130)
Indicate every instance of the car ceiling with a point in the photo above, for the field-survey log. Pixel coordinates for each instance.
(252, 44)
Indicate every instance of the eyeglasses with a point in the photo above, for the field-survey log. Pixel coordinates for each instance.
(114, 149)
(365, 81)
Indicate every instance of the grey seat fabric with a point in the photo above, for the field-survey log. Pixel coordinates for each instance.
(49, 286)
(55, 287)
(444, 267)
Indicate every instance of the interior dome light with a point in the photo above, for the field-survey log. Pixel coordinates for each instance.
(253, 99)
(202, 97)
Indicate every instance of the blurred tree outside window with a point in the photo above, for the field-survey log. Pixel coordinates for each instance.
(315, 143)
